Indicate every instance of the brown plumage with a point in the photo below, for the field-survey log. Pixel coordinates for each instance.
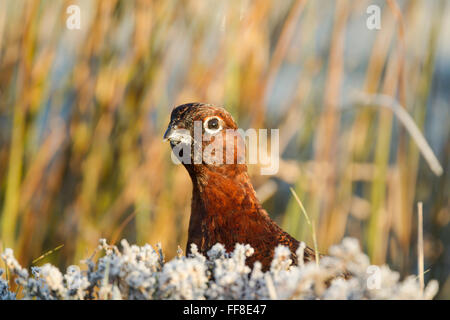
(224, 205)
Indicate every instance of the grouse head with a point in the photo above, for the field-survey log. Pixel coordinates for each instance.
(206, 139)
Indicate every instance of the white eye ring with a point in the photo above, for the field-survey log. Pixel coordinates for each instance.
(212, 130)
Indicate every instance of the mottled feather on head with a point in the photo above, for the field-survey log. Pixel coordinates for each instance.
(184, 115)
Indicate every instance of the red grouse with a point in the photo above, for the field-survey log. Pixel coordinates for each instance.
(224, 206)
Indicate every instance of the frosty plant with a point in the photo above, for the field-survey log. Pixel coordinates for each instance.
(214, 146)
(134, 272)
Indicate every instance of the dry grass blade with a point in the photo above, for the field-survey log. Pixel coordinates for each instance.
(382, 100)
(424, 273)
(301, 205)
(47, 253)
(122, 226)
(313, 229)
(420, 245)
(316, 250)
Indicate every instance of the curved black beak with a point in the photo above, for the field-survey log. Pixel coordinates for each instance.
(176, 134)
(169, 133)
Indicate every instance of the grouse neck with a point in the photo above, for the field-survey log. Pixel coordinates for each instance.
(221, 206)
(222, 191)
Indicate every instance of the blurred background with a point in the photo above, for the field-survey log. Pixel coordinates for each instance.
(83, 111)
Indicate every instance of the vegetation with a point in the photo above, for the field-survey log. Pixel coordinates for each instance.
(141, 273)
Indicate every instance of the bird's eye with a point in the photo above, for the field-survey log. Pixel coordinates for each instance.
(212, 125)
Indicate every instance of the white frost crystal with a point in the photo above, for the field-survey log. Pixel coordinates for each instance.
(141, 273)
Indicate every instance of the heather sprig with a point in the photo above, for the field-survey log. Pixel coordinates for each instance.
(140, 272)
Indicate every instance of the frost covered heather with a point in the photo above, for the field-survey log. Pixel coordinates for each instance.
(141, 273)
